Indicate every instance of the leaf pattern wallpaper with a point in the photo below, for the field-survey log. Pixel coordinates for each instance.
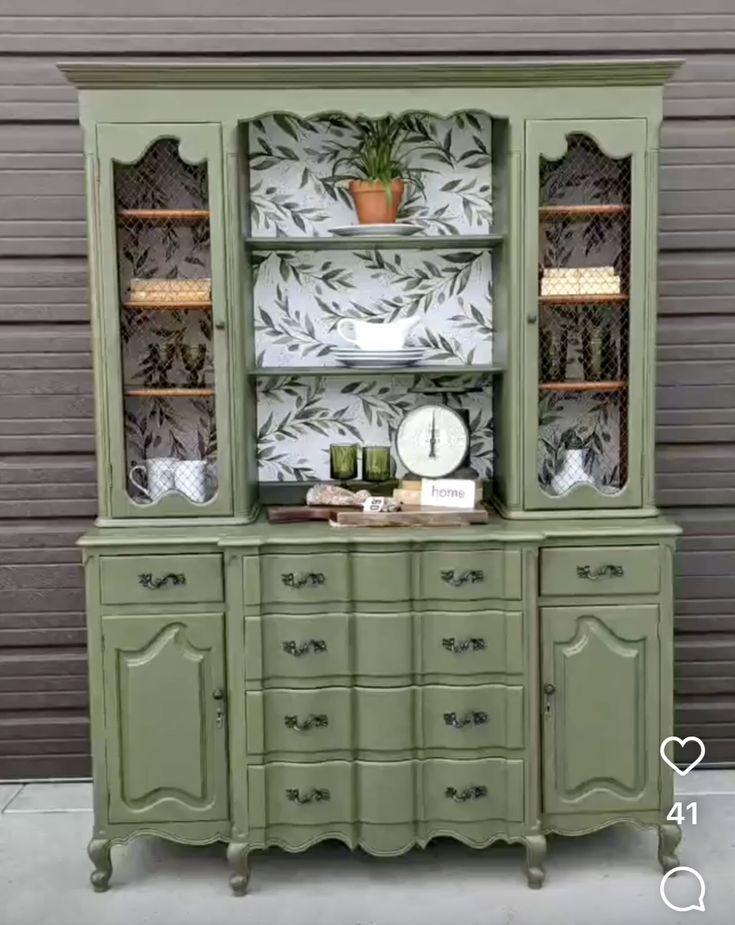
(299, 296)
(299, 416)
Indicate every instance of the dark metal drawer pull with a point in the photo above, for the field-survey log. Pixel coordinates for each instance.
(604, 571)
(311, 645)
(468, 793)
(315, 795)
(473, 644)
(475, 718)
(177, 579)
(318, 721)
(457, 579)
(304, 579)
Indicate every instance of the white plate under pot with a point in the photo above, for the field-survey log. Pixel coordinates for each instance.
(375, 230)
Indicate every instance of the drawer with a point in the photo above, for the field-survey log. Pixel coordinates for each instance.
(329, 577)
(600, 570)
(300, 794)
(473, 791)
(487, 716)
(474, 642)
(161, 579)
(297, 579)
(384, 720)
(298, 647)
(469, 575)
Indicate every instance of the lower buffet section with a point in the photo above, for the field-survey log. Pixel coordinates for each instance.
(383, 692)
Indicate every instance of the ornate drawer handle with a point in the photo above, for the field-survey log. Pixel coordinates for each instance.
(468, 793)
(318, 721)
(304, 579)
(315, 795)
(153, 584)
(457, 579)
(311, 645)
(475, 718)
(604, 571)
(473, 644)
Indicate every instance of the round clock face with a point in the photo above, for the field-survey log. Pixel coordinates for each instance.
(431, 441)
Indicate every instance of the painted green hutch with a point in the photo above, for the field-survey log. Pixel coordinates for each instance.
(263, 684)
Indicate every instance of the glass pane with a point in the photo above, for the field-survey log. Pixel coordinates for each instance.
(583, 280)
(166, 326)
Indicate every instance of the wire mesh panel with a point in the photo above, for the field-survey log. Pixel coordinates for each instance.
(166, 326)
(583, 286)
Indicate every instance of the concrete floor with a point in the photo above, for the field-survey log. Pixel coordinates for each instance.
(609, 878)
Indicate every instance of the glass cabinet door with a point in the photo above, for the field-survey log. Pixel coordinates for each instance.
(163, 281)
(585, 304)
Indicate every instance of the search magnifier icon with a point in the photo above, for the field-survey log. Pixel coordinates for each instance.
(699, 905)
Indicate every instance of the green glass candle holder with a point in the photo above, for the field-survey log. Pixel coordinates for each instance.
(343, 461)
(376, 465)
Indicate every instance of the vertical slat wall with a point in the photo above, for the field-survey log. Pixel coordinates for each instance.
(47, 493)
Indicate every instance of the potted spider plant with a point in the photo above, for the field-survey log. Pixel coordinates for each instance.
(377, 169)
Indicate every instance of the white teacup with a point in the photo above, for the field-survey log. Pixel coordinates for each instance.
(375, 335)
(159, 477)
(190, 478)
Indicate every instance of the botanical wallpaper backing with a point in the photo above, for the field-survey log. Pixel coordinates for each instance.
(299, 296)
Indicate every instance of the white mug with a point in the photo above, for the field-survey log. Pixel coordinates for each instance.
(190, 478)
(159, 476)
(375, 335)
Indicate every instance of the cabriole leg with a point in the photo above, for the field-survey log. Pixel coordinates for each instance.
(535, 854)
(669, 836)
(99, 854)
(237, 855)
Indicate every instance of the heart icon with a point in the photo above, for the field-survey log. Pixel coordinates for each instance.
(683, 772)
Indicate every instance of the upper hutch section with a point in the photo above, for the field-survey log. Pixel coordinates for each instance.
(223, 267)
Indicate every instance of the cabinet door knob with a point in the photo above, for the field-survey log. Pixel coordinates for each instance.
(549, 689)
(219, 324)
(218, 694)
(532, 317)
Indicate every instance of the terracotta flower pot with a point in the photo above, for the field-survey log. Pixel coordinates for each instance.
(371, 201)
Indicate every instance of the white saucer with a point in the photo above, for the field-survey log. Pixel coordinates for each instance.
(375, 230)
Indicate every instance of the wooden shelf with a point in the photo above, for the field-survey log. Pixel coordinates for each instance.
(617, 299)
(583, 211)
(386, 242)
(169, 393)
(583, 386)
(170, 305)
(164, 215)
(272, 372)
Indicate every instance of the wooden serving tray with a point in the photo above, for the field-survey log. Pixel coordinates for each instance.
(410, 517)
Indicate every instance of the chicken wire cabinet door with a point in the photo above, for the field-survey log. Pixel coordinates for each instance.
(164, 318)
(585, 291)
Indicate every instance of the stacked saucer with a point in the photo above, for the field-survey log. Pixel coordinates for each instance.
(354, 356)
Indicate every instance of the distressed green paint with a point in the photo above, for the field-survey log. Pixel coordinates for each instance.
(401, 648)
(601, 729)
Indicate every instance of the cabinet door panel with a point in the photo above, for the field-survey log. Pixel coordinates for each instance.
(163, 319)
(166, 744)
(601, 721)
(588, 244)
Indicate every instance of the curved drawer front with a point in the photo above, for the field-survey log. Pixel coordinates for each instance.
(600, 570)
(473, 791)
(380, 647)
(474, 642)
(155, 580)
(301, 794)
(304, 579)
(299, 647)
(470, 575)
(353, 720)
(390, 792)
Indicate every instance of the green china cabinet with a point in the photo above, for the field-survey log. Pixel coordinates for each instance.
(266, 684)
